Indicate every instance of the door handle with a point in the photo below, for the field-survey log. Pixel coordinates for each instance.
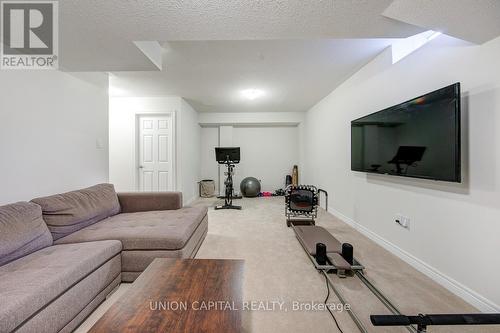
(141, 167)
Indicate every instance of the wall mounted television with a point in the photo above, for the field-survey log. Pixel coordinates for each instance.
(419, 138)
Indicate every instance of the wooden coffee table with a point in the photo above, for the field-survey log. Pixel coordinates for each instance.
(180, 295)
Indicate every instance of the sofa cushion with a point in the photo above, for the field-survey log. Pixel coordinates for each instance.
(72, 211)
(156, 230)
(147, 201)
(22, 231)
(32, 282)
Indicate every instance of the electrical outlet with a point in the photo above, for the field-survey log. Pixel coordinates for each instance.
(403, 221)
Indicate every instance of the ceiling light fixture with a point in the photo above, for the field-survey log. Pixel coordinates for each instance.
(252, 94)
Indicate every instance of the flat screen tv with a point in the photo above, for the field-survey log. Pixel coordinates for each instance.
(419, 138)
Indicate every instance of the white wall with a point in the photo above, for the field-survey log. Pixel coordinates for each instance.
(122, 136)
(267, 153)
(50, 123)
(208, 165)
(269, 144)
(251, 118)
(451, 224)
(189, 152)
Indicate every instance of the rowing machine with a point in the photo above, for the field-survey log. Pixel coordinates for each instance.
(328, 256)
(309, 236)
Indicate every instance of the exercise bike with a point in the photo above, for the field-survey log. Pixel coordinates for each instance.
(230, 157)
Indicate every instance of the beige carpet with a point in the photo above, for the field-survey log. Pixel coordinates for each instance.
(277, 269)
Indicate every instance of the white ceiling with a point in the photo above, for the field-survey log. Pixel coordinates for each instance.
(294, 74)
(99, 35)
(296, 50)
(476, 21)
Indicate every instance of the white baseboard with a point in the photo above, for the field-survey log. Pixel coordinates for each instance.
(480, 302)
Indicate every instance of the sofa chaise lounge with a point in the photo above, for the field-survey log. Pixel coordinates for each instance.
(60, 256)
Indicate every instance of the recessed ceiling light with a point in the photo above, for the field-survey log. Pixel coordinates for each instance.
(252, 94)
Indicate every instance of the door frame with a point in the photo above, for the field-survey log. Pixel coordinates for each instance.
(138, 116)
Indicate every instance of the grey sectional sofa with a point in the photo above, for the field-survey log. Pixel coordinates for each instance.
(60, 256)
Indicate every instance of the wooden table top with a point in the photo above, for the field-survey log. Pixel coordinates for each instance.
(174, 295)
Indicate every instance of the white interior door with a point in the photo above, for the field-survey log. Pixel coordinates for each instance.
(156, 153)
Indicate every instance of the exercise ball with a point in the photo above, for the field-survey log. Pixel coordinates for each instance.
(250, 187)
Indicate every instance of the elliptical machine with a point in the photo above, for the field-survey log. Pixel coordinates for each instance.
(230, 156)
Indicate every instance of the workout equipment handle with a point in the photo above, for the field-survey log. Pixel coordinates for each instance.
(326, 197)
(390, 320)
(437, 319)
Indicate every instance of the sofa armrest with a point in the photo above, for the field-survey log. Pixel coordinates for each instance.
(149, 201)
